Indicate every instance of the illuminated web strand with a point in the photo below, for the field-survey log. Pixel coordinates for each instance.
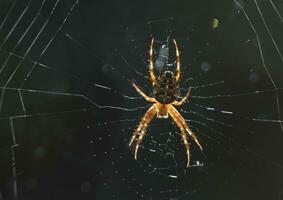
(75, 77)
(230, 139)
(169, 151)
(46, 47)
(96, 105)
(280, 196)
(240, 94)
(46, 114)
(169, 191)
(22, 101)
(115, 107)
(145, 54)
(166, 142)
(226, 112)
(76, 95)
(16, 24)
(118, 121)
(207, 85)
(209, 127)
(171, 174)
(49, 42)
(269, 31)
(263, 61)
(112, 68)
(213, 121)
(44, 50)
(95, 56)
(18, 43)
(276, 10)
(237, 94)
(197, 87)
(77, 110)
(129, 97)
(14, 166)
(131, 66)
(207, 118)
(162, 170)
(43, 92)
(7, 16)
(26, 53)
(22, 37)
(190, 122)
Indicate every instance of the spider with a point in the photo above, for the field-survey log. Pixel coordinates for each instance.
(165, 94)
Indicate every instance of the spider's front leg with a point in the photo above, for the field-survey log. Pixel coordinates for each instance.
(151, 69)
(178, 72)
(149, 115)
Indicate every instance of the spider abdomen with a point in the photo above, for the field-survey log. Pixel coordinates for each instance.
(166, 88)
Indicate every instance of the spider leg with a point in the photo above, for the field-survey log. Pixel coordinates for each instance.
(183, 100)
(182, 120)
(177, 61)
(151, 70)
(141, 137)
(150, 99)
(183, 133)
(142, 127)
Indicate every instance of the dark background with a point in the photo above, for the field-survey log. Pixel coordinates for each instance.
(69, 153)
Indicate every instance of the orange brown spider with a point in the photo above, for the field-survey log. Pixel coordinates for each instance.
(165, 92)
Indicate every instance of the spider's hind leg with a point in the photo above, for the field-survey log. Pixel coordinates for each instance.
(183, 133)
(149, 115)
(185, 140)
(181, 123)
(185, 125)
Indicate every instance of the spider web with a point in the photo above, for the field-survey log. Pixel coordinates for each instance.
(68, 109)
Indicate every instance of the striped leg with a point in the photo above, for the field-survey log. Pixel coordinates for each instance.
(151, 69)
(177, 61)
(183, 133)
(142, 127)
(183, 122)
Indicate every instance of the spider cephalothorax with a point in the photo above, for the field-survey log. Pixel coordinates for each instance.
(165, 97)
